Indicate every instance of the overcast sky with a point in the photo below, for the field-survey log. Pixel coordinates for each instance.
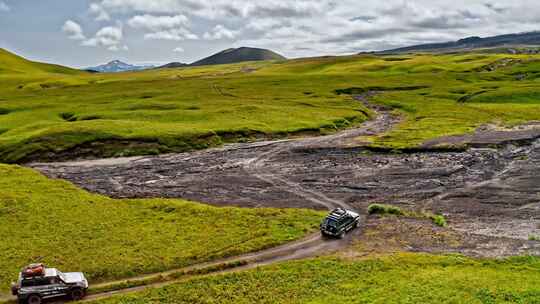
(82, 33)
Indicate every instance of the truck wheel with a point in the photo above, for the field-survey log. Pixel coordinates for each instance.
(34, 299)
(341, 235)
(76, 294)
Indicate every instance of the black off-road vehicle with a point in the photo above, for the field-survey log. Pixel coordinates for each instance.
(339, 222)
(37, 283)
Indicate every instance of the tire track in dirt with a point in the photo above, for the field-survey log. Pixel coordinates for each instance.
(383, 122)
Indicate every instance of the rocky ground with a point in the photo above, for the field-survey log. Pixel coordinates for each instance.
(490, 196)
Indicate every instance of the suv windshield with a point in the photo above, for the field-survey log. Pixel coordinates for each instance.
(331, 223)
(61, 276)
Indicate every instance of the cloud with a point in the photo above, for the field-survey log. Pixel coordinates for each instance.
(158, 23)
(220, 32)
(74, 30)
(495, 7)
(4, 7)
(154, 6)
(100, 13)
(224, 8)
(177, 34)
(179, 50)
(163, 27)
(109, 36)
(363, 18)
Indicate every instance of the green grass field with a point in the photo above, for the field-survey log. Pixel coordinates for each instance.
(54, 222)
(46, 110)
(401, 278)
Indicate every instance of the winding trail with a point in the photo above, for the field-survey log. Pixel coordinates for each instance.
(382, 123)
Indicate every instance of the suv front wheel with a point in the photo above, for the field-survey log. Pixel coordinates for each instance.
(77, 294)
(34, 299)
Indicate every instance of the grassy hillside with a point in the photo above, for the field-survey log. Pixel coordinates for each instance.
(54, 222)
(403, 278)
(46, 116)
(239, 55)
(508, 41)
(13, 64)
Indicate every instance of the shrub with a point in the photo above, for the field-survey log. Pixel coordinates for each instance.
(68, 116)
(384, 209)
(533, 237)
(439, 220)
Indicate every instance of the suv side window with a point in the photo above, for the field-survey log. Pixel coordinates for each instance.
(346, 220)
(35, 282)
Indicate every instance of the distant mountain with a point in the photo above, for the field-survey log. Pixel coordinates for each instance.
(11, 63)
(173, 65)
(239, 55)
(510, 40)
(116, 66)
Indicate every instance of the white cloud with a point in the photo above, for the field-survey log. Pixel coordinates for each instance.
(100, 13)
(163, 27)
(220, 32)
(177, 34)
(158, 23)
(74, 30)
(222, 8)
(179, 50)
(4, 7)
(110, 37)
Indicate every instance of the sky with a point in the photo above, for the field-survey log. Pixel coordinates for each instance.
(83, 33)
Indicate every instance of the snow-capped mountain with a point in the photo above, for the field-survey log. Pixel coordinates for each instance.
(116, 66)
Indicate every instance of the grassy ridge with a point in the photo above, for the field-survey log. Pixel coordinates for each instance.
(205, 107)
(56, 223)
(404, 278)
(13, 64)
(193, 108)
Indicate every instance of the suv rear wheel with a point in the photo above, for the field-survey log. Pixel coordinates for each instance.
(34, 299)
(76, 294)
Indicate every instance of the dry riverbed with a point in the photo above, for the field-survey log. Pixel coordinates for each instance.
(490, 192)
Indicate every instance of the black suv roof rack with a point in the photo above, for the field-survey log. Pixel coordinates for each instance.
(337, 214)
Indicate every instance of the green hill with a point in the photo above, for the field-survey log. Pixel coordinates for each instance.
(53, 116)
(239, 55)
(508, 41)
(13, 64)
(110, 239)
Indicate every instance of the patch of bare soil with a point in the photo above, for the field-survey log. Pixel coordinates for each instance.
(491, 197)
(390, 234)
(489, 136)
